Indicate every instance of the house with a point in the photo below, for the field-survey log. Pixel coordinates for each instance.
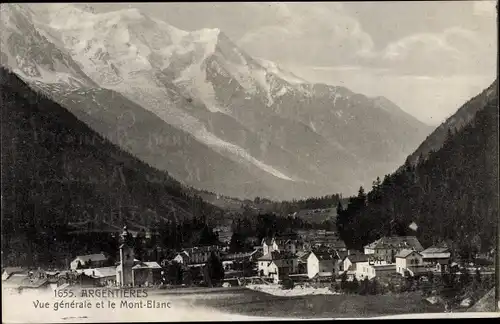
(289, 243)
(329, 241)
(229, 260)
(302, 261)
(321, 262)
(89, 260)
(269, 264)
(409, 261)
(36, 283)
(9, 271)
(82, 280)
(251, 256)
(269, 244)
(24, 280)
(200, 255)
(340, 260)
(386, 248)
(146, 273)
(105, 276)
(437, 257)
(280, 269)
(14, 280)
(375, 268)
(352, 262)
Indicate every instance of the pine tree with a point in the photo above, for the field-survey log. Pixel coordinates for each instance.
(354, 285)
(215, 269)
(364, 286)
(343, 282)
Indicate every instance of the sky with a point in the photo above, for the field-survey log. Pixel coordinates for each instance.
(429, 57)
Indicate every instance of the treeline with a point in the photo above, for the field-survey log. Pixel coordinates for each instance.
(452, 195)
(267, 225)
(326, 201)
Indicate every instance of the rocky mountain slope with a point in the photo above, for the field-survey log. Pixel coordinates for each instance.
(276, 134)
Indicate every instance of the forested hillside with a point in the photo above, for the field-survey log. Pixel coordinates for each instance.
(57, 172)
(452, 195)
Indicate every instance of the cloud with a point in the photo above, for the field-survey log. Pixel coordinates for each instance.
(319, 34)
(455, 51)
(327, 35)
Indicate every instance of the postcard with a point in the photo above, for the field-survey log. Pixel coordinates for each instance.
(249, 161)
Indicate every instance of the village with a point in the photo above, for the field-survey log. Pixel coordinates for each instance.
(305, 258)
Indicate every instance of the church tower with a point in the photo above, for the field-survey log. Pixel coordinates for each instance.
(124, 273)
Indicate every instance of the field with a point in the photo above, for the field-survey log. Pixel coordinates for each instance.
(254, 303)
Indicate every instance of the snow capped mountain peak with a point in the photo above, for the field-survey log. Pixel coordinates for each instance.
(31, 54)
(274, 68)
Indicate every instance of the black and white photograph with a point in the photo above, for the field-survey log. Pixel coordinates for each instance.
(235, 161)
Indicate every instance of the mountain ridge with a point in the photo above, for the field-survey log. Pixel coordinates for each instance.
(311, 139)
(454, 123)
(451, 194)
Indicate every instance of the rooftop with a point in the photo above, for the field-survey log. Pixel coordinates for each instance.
(384, 266)
(324, 274)
(92, 257)
(277, 256)
(147, 265)
(405, 252)
(323, 255)
(445, 255)
(100, 272)
(396, 242)
(436, 250)
(354, 258)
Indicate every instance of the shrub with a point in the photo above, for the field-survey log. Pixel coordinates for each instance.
(287, 283)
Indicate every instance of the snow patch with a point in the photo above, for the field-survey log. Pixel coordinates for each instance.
(281, 92)
(335, 97)
(313, 127)
(50, 77)
(273, 68)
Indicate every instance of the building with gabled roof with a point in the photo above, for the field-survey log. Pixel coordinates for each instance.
(387, 247)
(322, 262)
(281, 243)
(90, 260)
(146, 273)
(438, 257)
(9, 271)
(375, 268)
(409, 261)
(353, 261)
(269, 263)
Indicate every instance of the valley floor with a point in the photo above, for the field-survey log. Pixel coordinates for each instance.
(225, 304)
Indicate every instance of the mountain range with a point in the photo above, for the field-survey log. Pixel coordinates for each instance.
(197, 106)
